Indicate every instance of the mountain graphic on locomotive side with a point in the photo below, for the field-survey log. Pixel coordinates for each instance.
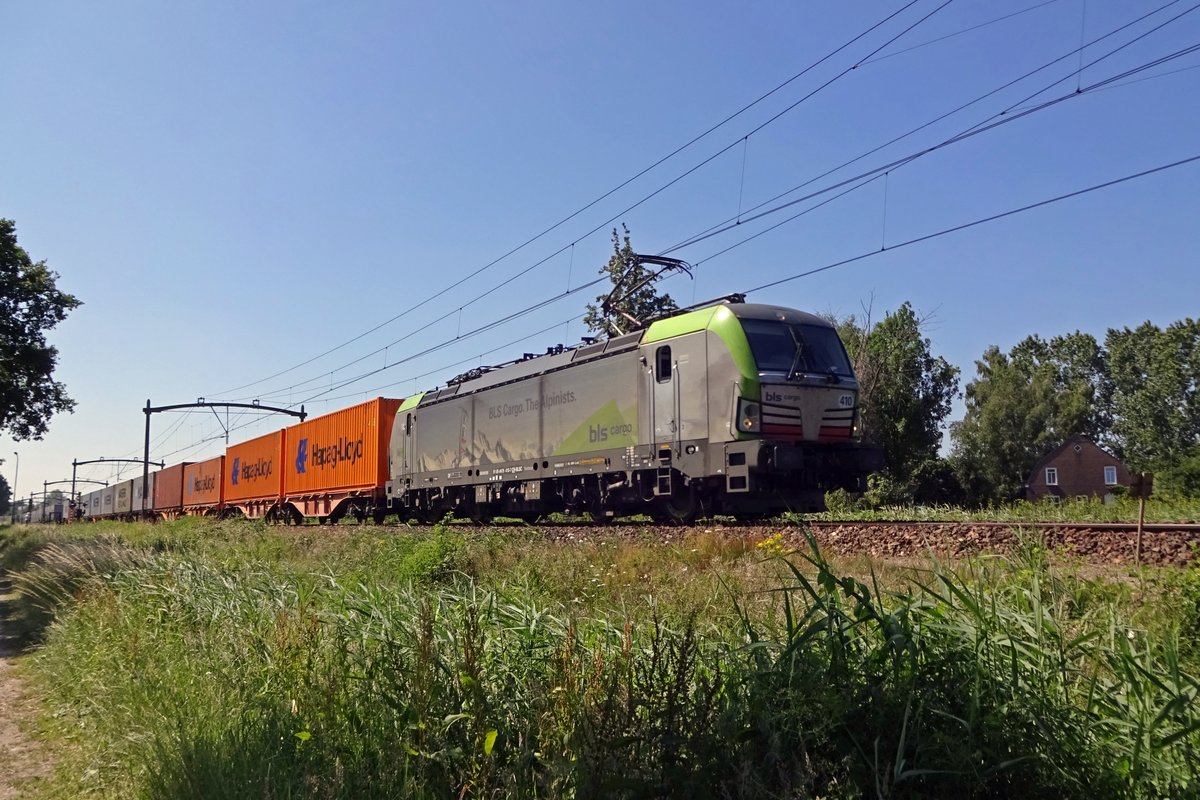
(734, 408)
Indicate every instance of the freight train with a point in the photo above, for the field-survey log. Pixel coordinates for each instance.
(737, 409)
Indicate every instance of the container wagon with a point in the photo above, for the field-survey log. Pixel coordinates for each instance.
(107, 502)
(143, 501)
(123, 500)
(168, 492)
(253, 476)
(337, 464)
(203, 488)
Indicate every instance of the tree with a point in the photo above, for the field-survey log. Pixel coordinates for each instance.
(623, 270)
(5, 497)
(1181, 479)
(905, 393)
(30, 305)
(1155, 376)
(1021, 405)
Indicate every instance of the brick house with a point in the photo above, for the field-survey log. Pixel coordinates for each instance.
(1078, 468)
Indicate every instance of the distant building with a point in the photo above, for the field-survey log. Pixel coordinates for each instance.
(1076, 469)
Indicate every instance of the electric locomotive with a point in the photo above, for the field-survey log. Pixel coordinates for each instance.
(735, 408)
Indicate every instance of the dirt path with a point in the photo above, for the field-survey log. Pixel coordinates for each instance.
(21, 758)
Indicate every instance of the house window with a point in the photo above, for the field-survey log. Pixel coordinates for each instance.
(1052, 476)
(1110, 476)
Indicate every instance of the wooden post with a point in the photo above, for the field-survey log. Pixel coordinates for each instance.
(1141, 520)
(1141, 487)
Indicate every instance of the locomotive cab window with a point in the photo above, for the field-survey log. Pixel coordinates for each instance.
(662, 364)
(795, 349)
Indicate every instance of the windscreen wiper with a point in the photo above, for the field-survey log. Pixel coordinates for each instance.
(795, 369)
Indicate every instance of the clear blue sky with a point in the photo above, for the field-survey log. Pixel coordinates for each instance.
(232, 188)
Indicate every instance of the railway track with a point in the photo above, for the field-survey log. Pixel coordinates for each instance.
(1128, 527)
(1163, 544)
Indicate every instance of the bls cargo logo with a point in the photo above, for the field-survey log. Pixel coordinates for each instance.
(252, 470)
(600, 433)
(329, 455)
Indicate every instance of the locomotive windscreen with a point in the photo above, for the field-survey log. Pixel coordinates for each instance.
(791, 348)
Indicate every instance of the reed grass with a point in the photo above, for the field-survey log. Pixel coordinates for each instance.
(231, 661)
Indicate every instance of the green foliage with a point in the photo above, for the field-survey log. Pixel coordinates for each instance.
(935, 482)
(1182, 479)
(199, 664)
(840, 501)
(624, 271)
(5, 497)
(30, 305)
(1021, 405)
(1156, 402)
(905, 394)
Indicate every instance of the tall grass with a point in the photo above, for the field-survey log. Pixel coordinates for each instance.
(1123, 510)
(438, 665)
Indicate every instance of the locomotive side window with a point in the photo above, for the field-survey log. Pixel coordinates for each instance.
(408, 424)
(662, 364)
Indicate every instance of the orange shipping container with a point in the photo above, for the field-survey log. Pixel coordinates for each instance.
(340, 452)
(203, 484)
(255, 469)
(168, 488)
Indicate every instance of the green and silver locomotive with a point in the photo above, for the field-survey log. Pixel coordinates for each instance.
(736, 408)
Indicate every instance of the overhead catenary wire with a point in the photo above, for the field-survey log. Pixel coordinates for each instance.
(713, 256)
(875, 174)
(833, 265)
(594, 202)
(974, 223)
(775, 118)
(869, 254)
(959, 32)
(442, 369)
(862, 180)
(742, 219)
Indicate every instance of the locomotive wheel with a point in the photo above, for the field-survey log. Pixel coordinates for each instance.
(597, 510)
(378, 515)
(481, 513)
(678, 509)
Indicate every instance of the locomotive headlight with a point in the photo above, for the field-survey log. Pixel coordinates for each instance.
(749, 416)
